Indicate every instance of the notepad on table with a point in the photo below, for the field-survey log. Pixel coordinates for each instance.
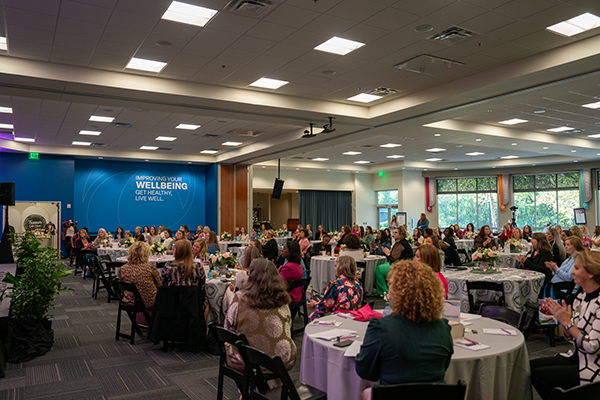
(353, 349)
(502, 332)
(470, 345)
(334, 334)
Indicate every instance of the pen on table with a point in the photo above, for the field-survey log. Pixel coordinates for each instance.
(472, 341)
(504, 330)
(345, 337)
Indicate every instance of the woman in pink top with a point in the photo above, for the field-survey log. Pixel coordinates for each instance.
(304, 242)
(429, 255)
(292, 269)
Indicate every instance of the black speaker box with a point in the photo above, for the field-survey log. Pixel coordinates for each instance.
(7, 194)
(277, 188)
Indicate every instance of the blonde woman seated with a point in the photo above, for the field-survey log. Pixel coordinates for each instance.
(344, 293)
(353, 248)
(413, 344)
(261, 312)
(199, 249)
(102, 239)
(142, 274)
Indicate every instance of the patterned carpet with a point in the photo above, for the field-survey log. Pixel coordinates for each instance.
(88, 363)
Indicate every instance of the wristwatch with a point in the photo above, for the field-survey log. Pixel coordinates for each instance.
(569, 326)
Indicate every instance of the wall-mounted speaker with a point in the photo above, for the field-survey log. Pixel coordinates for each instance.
(277, 188)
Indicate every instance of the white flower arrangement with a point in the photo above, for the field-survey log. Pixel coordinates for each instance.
(280, 232)
(128, 241)
(487, 256)
(219, 259)
(157, 248)
(226, 236)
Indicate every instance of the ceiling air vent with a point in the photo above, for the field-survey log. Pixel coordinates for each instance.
(383, 91)
(366, 146)
(121, 125)
(244, 132)
(98, 144)
(251, 8)
(212, 135)
(453, 35)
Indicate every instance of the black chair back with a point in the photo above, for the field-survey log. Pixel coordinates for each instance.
(589, 391)
(131, 309)
(420, 391)
(300, 304)
(222, 336)
(476, 305)
(502, 314)
(561, 291)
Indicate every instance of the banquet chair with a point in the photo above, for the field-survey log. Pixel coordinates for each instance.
(589, 391)
(222, 336)
(131, 309)
(420, 391)
(299, 307)
(502, 314)
(464, 256)
(101, 281)
(255, 360)
(474, 306)
(361, 266)
(561, 291)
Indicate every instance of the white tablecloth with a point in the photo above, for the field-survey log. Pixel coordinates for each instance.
(466, 244)
(224, 245)
(152, 259)
(520, 286)
(281, 239)
(500, 372)
(113, 253)
(369, 279)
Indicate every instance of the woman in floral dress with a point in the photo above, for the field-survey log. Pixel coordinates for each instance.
(344, 293)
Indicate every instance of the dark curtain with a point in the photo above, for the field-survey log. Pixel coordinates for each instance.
(332, 209)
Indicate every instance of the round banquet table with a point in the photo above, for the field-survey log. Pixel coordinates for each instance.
(508, 260)
(322, 272)
(152, 259)
(500, 372)
(113, 253)
(520, 286)
(466, 244)
(281, 240)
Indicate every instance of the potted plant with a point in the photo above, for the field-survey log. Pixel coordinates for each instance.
(32, 293)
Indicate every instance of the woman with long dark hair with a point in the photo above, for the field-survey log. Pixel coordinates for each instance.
(292, 269)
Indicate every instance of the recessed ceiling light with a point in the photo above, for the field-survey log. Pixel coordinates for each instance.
(209, 151)
(475, 153)
(438, 134)
(297, 169)
(146, 65)
(513, 121)
(395, 156)
(573, 151)
(362, 162)
(269, 83)
(576, 161)
(478, 140)
(189, 127)
(264, 166)
(435, 150)
(338, 45)
(364, 98)
(231, 143)
(188, 14)
(76, 143)
(100, 158)
(320, 159)
(166, 138)
(592, 105)
(456, 169)
(560, 129)
(146, 160)
(433, 159)
(189, 162)
(424, 169)
(352, 153)
(596, 135)
(533, 165)
(423, 28)
(99, 118)
(390, 145)
(513, 144)
(148, 147)
(576, 25)
(24, 139)
(493, 166)
(6, 110)
(7, 126)
(90, 133)
(539, 111)
(544, 148)
(509, 157)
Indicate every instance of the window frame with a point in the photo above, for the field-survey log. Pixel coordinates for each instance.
(458, 191)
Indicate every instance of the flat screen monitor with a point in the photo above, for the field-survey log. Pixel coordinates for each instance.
(580, 216)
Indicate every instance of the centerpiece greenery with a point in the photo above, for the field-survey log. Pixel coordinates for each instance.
(515, 245)
(486, 258)
(157, 248)
(128, 241)
(226, 236)
(280, 232)
(222, 260)
(31, 295)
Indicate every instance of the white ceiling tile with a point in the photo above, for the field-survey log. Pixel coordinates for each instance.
(205, 49)
(178, 70)
(540, 38)
(457, 13)
(364, 33)
(391, 19)
(510, 32)
(552, 15)
(84, 12)
(31, 19)
(226, 67)
(295, 17)
(306, 39)
(19, 47)
(318, 6)
(256, 45)
(109, 61)
(489, 4)
(228, 22)
(172, 29)
(176, 44)
(288, 51)
(239, 80)
(487, 22)
(255, 71)
(117, 49)
(74, 42)
(215, 37)
(79, 28)
(237, 55)
(269, 31)
(422, 7)
(155, 53)
(49, 7)
(300, 66)
(356, 10)
(190, 60)
(134, 22)
(329, 25)
(67, 53)
(29, 34)
(144, 7)
(265, 60)
(521, 9)
(69, 61)
(209, 76)
(125, 36)
(99, 3)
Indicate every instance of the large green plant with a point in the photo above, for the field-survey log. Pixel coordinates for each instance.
(35, 290)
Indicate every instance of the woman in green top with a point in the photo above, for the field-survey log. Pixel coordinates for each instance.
(368, 238)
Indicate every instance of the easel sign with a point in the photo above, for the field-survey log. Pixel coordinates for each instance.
(401, 218)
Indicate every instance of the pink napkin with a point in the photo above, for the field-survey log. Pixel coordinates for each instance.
(364, 314)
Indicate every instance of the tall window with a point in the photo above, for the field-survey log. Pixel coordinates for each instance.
(546, 199)
(387, 205)
(465, 200)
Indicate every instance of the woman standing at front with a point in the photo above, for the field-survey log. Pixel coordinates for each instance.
(413, 344)
(580, 325)
(423, 223)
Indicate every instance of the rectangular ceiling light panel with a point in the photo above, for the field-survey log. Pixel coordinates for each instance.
(576, 25)
(338, 45)
(188, 14)
(146, 65)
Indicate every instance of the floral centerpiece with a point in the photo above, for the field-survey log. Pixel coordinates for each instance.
(263, 238)
(410, 240)
(222, 260)
(226, 236)
(515, 245)
(128, 241)
(280, 232)
(333, 234)
(157, 248)
(486, 258)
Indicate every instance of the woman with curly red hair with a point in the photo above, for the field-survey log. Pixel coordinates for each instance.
(413, 344)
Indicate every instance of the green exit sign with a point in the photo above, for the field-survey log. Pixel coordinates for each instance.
(34, 156)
